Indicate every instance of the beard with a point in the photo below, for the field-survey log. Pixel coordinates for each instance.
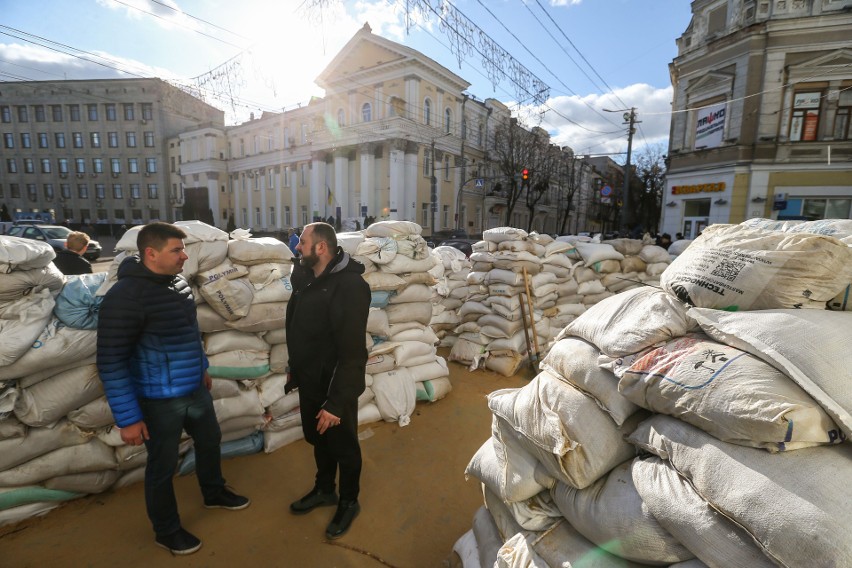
(311, 259)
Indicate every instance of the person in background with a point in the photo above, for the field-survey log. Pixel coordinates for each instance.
(326, 323)
(664, 240)
(120, 232)
(294, 241)
(70, 259)
(678, 236)
(154, 371)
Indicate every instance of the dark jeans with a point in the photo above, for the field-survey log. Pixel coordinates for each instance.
(166, 419)
(337, 448)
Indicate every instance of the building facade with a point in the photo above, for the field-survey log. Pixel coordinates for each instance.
(94, 151)
(761, 123)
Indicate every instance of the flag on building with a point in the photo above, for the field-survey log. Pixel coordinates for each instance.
(330, 195)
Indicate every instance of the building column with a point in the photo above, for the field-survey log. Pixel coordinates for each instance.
(250, 200)
(295, 212)
(367, 156)
(340, 192)
(279, 198)
(396, 163)
(261, 183)
(236, 187)
(412, 170)
(212, 196)
(318, 183)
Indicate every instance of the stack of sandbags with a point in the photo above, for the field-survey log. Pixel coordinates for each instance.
(750, 414)
(404, 365)
(450, 292)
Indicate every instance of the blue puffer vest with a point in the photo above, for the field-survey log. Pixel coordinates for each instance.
(149, 344)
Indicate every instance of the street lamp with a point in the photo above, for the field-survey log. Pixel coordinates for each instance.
(629, 119)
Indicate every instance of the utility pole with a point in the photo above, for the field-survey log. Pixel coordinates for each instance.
(630, 120)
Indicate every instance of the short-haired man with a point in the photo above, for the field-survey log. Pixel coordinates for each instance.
(154, 370)
(70, 259)
(326, 328)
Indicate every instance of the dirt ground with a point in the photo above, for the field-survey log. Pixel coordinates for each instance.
(414, 498)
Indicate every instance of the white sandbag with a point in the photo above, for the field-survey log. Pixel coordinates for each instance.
(224, 388)
(239, 364)
(384, 281)
(392, 229)
(273, 440)
(413, 353)
(509, 473)
(275, 336)
(500, 234)
(270, 388)
(412, 293)
(708, 534)
(278, 290)
(428, 278)
(420, 312)
(261, 317)
(30, 510)
(381, 363)
(611, 514)
(728, 393)
(789, 502)
(809, 346)
(473, 308)
(656, 269)
(597, 252)
(94, 455)
(284, 404)
(506, 364)
(246, 404)
(223, 270)
(265, 273)
(566, 430)
(634, 264)
(210, 321)
(349, 241)
(92, 482)
(402, 264)
(413, 246)
(19, 283)
(258, 251)
(617, 282)
(591, 287)
(380, 250)
(653, 254)
(678, 246)
(198, 231)
(368, 414)
(279, 358)
(231, 299)
(396, 395)
(466, 550)
(524, 245)
(605, 266)
(627, 247)
(230, 340)
(592, 299)
(435, 369)
(284, 422)
(21, 324)
(631, 321)
(37, 442)
(50, 400)
(377, 323)
(425, 335)
(576, 361)
(488, 539)
(495, 325)
(515, 343)
(203, 256)
(734, 267)
(93, 415)
(434, 389)
(466, 351)
(17, 253)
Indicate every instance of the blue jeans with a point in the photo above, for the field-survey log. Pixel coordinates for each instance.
(166, 419)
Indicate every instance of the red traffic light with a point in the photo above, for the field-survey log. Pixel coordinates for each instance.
(525, 174)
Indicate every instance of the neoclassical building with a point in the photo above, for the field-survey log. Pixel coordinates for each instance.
(761, 123)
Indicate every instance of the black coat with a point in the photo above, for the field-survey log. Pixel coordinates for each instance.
(326, 332)
(69, 262)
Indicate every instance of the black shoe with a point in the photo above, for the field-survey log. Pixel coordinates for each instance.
(346, 513)
(312, 500)
(227, 499)
(180, 542)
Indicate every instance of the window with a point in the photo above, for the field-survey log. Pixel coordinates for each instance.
(286, 181)
(716, 20)
(45, 165)
(129, 112)
(77, 139)
(304, 139)
(149, 139)
(42, 140)
(29, 166)
(147, 111)
(32, 192)
(448, 121)
(5, 114)
(152, 191)
(151, 165)
(92, 112)
(427, 112)
(424, 214)
(131, 139)
(115, 166)
(287, 137)
(304, 215)
(366, 113)
(2, 193)
(23, 115)
(95, 139)
(25, 140)
(112, 139)
(63, 165)
(245, 217)
(14, 190)
(841, 119)
(56, 111)
(303, 175)
(74, 113)
(427, 162)
(40, 115)
(59, 138)
(11, 165)
(133, 165)
(271, 222)
(110, 111)
(817, 208)
(479, 136)
(804, 123)
(340, 117)
(80, 165)
(65, 190)
(98, 165)
(287, 217)
(447, 168)
(100, 190)
(446, 216)
(135, 191)
(9, 140)
(48, 191)
(116, 190)
(83, 190)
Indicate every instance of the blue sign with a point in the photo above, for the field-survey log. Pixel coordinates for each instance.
(606, 191)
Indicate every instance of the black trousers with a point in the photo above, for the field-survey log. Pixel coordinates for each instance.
(166, 419)
(337, 449)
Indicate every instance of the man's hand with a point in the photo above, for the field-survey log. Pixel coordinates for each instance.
(326, 420)
(135, 434)
(208, 382)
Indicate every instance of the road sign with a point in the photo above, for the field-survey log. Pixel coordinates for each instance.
(479, 182)
(606, 191)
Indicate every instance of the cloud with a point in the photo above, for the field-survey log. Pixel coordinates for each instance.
(564, 2)
(165, 13)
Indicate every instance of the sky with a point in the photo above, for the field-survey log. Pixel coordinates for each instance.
(592, 54)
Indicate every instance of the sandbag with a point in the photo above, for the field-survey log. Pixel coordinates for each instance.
(261, 317)
(259, 250)
(396, 395)
(48, 401)
(392, 228)
(22, 321)
(76, 305)
(94, 455)
(231, 299)
(17, 253)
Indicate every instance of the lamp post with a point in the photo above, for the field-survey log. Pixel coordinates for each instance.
(629, 119)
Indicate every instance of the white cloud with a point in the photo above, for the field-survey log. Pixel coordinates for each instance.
(165, 13)
(564, 2)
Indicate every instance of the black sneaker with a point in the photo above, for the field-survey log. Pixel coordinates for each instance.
(312, 500)
(227, 499)
(180, 542)
(339, 525)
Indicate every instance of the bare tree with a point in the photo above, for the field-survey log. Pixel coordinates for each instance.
(571, 175)
(514, 150)
(648, 191)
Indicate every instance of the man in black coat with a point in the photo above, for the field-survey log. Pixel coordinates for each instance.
(70, 259)
(326, 329)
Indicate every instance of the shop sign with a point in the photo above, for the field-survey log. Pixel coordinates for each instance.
(698, 188)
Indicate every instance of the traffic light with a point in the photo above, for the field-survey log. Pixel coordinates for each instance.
(525, 175)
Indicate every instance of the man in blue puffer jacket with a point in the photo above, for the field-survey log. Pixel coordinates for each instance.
(154, 371)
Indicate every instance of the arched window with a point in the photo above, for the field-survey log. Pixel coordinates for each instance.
(427, 112)
(341, 117)
(366, 113)
(448, 121)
